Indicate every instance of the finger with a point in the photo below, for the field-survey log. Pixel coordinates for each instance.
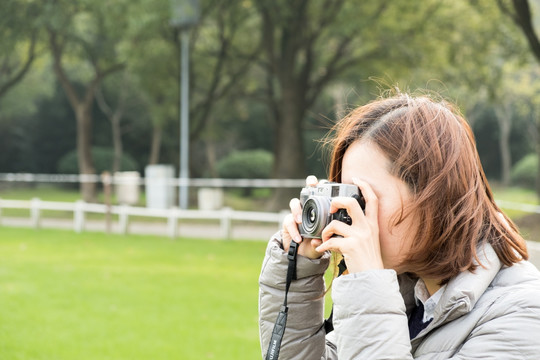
(372, 201)
(296, 210)
(350, 204)
(291, 228)
(312, 180)
(333, 244)
(316, 243)
(333, 229)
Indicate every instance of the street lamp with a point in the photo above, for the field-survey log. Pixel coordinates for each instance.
(184, 15)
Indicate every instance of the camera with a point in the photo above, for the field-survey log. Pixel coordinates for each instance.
(316, 206)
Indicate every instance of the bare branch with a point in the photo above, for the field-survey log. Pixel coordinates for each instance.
(524, 20)
(57, 52)
(24, 69)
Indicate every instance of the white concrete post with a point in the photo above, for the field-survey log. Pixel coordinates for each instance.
(226, 228)
(35, 212)
(78, 216)
(172, 223)
(123, 219)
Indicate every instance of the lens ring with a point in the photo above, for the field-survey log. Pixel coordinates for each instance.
(315, 215)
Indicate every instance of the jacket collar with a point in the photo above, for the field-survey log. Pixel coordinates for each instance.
(462, 292)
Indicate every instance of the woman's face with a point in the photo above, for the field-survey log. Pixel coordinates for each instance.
(364, 160)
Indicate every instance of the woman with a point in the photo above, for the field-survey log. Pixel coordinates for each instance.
(435, 269)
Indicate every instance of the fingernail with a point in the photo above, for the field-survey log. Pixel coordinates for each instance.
(311, 180)
(299, 219)
(298, 239)
(355, 180)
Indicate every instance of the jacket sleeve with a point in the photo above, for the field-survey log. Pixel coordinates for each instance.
(304, 336)
(369, 317)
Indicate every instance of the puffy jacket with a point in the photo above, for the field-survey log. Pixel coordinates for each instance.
(493, 313)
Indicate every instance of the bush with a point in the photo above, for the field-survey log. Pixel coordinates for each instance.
(103, 159)
(248, 164)
(525, 171)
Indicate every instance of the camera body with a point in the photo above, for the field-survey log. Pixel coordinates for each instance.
(316, 206)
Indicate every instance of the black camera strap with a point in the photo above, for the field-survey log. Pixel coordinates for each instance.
(281, 321)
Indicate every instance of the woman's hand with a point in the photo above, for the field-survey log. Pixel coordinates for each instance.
(359, 243)
(290, 228)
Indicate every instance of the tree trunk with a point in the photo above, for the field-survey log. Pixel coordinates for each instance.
(504, 120)
(523, 18)
(340, 100)
(289, 161)
(84, 153)
(115, 117)
(538, 153)
(117, 142)
(155, 145)
(211, 157)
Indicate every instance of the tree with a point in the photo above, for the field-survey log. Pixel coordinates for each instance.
(18, 49)
(221, 50)
(84, 30)
(115, 112)
(308, 44)
(520, 12)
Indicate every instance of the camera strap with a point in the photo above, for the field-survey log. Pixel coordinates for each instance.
(281, 321)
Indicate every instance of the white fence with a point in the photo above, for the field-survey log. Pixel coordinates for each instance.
(80, 209)
(210, 182)
(225, 216)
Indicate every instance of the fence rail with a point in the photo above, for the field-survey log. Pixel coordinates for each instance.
(225, 216)
(80, 208)
(118, 180)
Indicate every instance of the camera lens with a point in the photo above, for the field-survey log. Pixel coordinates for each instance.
(312, 215)
(315, 216)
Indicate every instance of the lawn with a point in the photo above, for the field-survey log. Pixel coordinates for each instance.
(96, 296)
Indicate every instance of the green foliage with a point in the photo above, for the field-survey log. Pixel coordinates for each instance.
(103, 159)
(248, 164)
(459, 48)
(94, 296)
(524, 173)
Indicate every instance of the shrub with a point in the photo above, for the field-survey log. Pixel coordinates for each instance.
(103, 159)
(248, 164)
(525, 171)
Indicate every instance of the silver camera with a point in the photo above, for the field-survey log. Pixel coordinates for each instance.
(316, 206)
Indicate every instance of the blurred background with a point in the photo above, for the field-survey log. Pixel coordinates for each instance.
(248, 89)
(109, 107)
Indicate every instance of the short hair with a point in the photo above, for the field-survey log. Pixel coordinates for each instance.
(431, 148)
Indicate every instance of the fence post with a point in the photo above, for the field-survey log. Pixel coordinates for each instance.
(78, 216)
(34, 212)
(0, 211)
(123, 219)
(226, 228)
(282, 215)
(107, 181)
(172, 223)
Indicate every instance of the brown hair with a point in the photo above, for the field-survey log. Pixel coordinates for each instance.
(432, 149)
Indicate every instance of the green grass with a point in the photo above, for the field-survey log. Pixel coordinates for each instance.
(96, 296)
(517, 195)
(44, 192)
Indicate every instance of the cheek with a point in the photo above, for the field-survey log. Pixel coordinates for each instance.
(393, 240)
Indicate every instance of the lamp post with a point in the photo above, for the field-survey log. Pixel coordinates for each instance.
(184, 15)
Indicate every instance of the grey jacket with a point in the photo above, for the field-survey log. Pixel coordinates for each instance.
(493, 313)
